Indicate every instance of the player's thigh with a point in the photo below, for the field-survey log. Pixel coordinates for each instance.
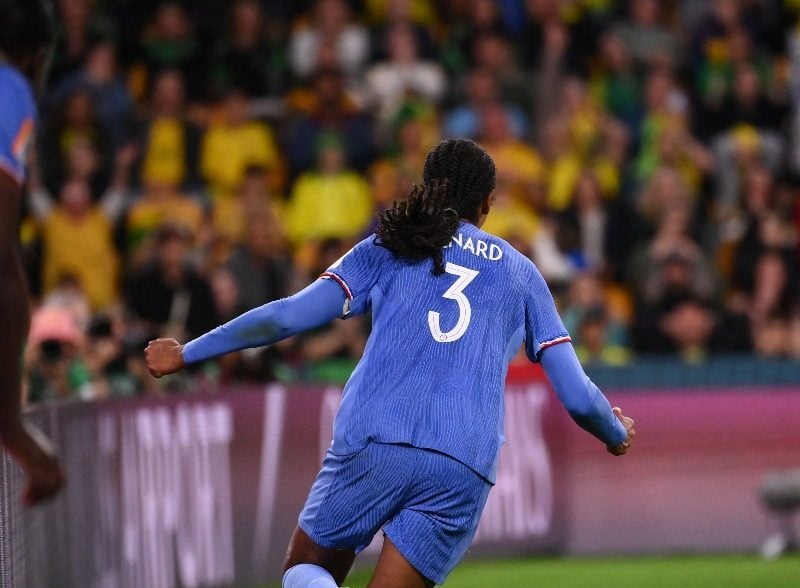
(394, 571)
(302, 550)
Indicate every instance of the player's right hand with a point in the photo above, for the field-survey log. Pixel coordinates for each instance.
(627, 422)
(34, 453)
(164, 356)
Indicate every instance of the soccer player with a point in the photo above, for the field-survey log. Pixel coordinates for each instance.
(417, 435)
(25, 34)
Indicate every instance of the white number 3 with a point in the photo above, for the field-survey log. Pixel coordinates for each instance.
(454, 292)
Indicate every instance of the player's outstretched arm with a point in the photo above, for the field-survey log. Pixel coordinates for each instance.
(28, 446)
(584, 401)
(317, 304)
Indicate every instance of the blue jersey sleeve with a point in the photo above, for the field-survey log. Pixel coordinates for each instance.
(313, 306)
(543, 325)
(17, 116)
(584, 401)
(357, 272)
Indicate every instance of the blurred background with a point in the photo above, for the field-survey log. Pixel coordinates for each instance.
(197, 159)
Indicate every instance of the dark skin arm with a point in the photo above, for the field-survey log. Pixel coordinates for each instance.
(27, 445)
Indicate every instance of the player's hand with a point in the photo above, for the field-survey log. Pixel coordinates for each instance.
(164, 356)
(34, 453)
(627, 422)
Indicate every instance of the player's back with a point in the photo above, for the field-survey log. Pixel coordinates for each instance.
(433, 371)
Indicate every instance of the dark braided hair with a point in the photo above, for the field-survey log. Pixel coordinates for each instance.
(458, 176)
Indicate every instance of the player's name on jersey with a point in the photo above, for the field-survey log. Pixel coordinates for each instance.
(490, 251)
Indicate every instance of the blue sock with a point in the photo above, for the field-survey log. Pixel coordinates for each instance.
(308, 576)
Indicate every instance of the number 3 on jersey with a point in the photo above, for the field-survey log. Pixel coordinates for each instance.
(454, 292)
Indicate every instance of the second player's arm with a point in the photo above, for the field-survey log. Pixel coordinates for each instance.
(317, 304)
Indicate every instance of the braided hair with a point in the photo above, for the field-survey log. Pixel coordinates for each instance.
(458, 176)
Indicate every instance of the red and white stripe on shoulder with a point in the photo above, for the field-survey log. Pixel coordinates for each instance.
(340, 281)
(556, 341)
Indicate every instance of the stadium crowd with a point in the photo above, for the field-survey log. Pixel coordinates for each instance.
(197, 159)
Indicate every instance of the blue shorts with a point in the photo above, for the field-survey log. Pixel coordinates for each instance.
(427, 503)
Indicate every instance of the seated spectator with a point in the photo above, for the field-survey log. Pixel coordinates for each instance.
(327, 107)
(261, 266)
(615, 82)
(170, 42)
(419, 15)
(73, 121)
(170, 142)
(159, 204)
(493, 51)
(403, 75)
(691, 327)
(101, 78)
(330, 27)
(168, 297)
(481, 90)
(331, 201)
(595, 346)
(233, 143)
(520, 175)
(244, 58)
(255, 198)
(649, 41)
(415, 133)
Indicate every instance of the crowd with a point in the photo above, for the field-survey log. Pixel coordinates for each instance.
(197, 159)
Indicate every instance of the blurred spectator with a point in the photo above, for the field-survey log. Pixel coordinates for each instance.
(261, 266)
(403, 75)
(169, 297)
(463, 120)
(326, 108)
(331, 201)
(616, 83)
(492, 51)
(234, 142)
(244, 59)
(54, 365)
(170, 142)
(329, 38)
(649, 41)
(598, 326)
(74, 121)
(581, 136)
(520, 176)
(170, 42)
(159, 204)
(77, 234)
(255, 198)
(474, 18)
(391, 177)
(100, 77)
(418, 15)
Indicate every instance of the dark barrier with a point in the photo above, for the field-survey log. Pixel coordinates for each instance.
(204, 490)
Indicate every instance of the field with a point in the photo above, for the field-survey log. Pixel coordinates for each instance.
(728, 571)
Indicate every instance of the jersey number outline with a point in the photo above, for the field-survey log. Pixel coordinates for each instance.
(454, 292)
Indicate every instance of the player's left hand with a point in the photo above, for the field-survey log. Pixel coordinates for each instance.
(627, 422)
(164, 356)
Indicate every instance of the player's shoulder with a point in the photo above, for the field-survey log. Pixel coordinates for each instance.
(15, 90)
(499, 249)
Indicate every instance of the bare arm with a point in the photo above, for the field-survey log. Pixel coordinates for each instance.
(22, 441)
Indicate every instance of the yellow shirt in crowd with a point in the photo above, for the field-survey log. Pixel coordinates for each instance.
(84, 249)
(333, 205)
(228, 151)
(164, 160)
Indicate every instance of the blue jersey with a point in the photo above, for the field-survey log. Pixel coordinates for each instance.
(17, 116)
(433, 371)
